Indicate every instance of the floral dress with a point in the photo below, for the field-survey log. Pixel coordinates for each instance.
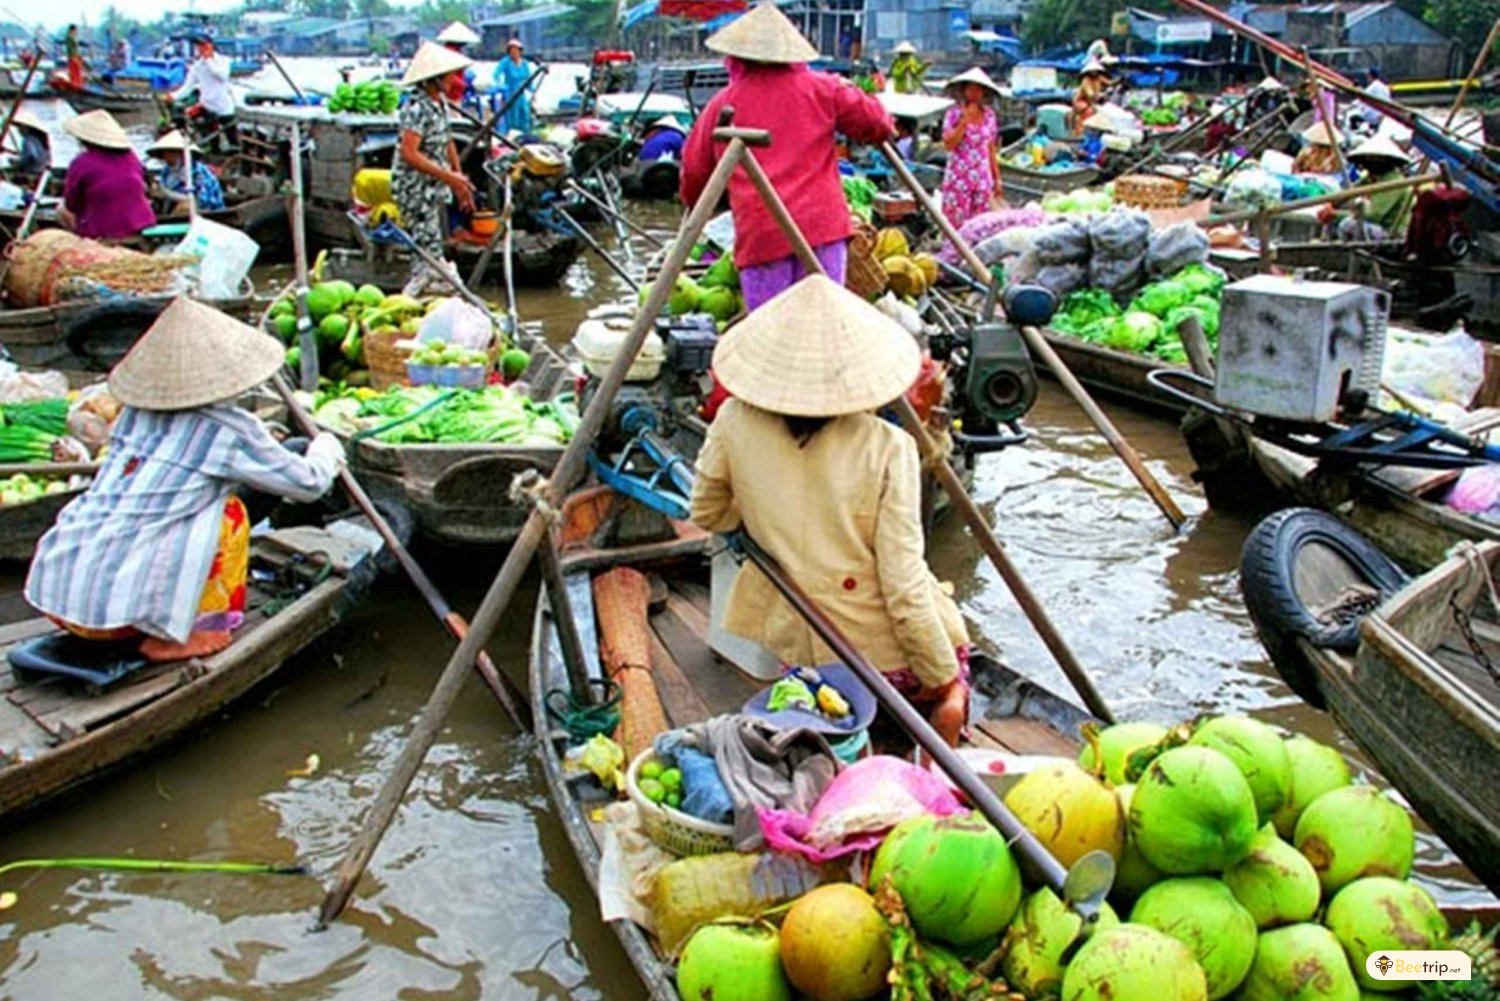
(422, 198)
(969, 182)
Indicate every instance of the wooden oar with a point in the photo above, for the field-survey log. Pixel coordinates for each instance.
(301, 97)
(1331, 198)
(1326, 118)
(935, 460)
(15, 106)
(569, 469)
(1474, 71)
(502, 687)
(1039, 347)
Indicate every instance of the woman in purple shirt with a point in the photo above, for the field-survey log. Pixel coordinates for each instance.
(104, 196)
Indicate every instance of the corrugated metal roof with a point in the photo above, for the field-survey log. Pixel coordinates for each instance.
(528, 15)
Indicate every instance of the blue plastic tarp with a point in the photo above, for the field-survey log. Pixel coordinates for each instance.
(640, 12)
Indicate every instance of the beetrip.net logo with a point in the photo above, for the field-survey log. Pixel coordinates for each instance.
(1392, 965)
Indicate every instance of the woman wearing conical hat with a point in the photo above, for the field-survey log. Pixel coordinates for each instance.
(158, 546)
(1318, 155)
(971, 132)
(427, 173)
(800, 460)
(104, 193)
(908, 69)
(771, 88)
(1093, 85)
(173, 151)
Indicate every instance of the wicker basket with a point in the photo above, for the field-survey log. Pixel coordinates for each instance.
(674, 830)
(864, 276)
(1149, 191)
(386, 361)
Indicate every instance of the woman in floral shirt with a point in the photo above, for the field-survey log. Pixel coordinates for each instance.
(426, 173)
(971, 132)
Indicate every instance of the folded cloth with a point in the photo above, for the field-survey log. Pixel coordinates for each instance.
(761, 767)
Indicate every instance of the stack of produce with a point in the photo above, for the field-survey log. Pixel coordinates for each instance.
(1079, 201)
(22, 489)
(1148, 324)
(716, 294)
(1250, 866)
(368, 97)
(28, 431)
(430, 415)
(908, 275)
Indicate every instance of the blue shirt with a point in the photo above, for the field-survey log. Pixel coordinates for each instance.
(207, 191)
(662, 142)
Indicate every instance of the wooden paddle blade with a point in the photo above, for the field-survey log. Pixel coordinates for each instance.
(622, 600)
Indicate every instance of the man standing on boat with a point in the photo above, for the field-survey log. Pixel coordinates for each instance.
(908, 69)
(209, 76)
(74, 51)
(771, 88)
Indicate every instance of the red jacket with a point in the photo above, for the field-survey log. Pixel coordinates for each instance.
(802, 110)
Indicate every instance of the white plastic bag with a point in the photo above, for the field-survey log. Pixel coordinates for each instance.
(1446, 368)
(457, 322)
(224, 255)
(27, 387)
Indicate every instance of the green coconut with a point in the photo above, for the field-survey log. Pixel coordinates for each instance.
(1133, 963)
(1354, 832)
(719, 302)
(955, 874)
(1192, 812)
(1275, 882)
(1259, 753)
(1133, 873)
(1116, 744)
(322, 300)
(1316, 769)
(1202, 914)
(685, 296)
(369, 296)
(344, 290)
(286, 326)
(333, 328)
(1379, 913)
(1069, 811)
(1036, 940)
(1302, 962)
(733, 961)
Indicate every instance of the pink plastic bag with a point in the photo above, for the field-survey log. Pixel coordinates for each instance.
(866, 799)
(1477, 490)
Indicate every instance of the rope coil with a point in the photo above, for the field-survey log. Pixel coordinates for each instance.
(531, 488)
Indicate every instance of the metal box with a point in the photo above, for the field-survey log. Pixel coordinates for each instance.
(1294, 350)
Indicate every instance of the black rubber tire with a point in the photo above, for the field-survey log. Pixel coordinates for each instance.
(1267, 582)
(100, 336)
(660, 180)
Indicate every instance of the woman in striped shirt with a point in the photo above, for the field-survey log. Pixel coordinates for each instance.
(158, 546)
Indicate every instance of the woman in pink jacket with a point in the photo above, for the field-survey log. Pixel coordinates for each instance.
(771, 88)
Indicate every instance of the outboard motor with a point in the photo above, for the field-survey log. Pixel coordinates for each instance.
(994, 378)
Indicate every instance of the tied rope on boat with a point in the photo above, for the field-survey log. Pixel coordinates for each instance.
(583, 722)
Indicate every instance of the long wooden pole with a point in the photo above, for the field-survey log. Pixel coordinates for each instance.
(1039, 347)
(946, 477)
(1474, 71)
(1331, 198)
(296, 90)
(306, 337)
(569, 468)
(502, 687)
(15, 106)
(1326, 118)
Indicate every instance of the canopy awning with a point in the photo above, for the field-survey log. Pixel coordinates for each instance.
(918, 106)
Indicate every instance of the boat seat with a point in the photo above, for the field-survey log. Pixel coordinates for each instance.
(67, 656)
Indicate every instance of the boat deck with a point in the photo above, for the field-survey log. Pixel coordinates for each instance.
(56, 732)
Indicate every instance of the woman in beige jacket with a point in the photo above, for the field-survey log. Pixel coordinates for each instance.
(801, 461)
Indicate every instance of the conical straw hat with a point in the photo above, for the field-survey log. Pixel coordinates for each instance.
(26, 120)
(172, 140)
(817, 350)
(98, 128)
(1271, 83)
(458, 33)
(763, 35)
(193, 355)
(670, 122)
(904, 49)
(1318, 135)
(433, 60)
(973, 75)
(1379, 147)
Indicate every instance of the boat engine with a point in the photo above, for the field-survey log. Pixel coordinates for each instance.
(538, 173)
(994, 382)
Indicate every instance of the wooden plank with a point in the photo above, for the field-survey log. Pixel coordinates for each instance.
(27, 629)
(83, 714)
(720, 686)
(682, 702)
(692, 616)
(1027, 736)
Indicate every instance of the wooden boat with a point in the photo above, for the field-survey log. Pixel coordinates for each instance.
(1022, 184)
(89, 335)
(55, 734)
(459, 493)
(98, 97)
(538, 260)
(1012, 714)
(1119, 375)
(22, 525)
(1421, 695)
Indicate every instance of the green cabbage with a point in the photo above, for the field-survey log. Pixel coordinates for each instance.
(1135, 331)
(1084, 307)
(1200, 279)
(1160, 298)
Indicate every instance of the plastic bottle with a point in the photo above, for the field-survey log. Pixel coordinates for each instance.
(693, 891)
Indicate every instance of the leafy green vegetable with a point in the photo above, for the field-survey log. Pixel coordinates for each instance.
(1082, 308)
(1160, 298)
(1159, 116)
(1135, 331)
(1200, 279)
(860, 193)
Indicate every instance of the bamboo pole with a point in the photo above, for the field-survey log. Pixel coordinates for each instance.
(1331, 198)
(503, 589)
(1474, 71)
(306, 337)
(1326, 118)
(938, 463)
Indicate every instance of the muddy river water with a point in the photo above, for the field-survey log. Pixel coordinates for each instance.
(474, 892)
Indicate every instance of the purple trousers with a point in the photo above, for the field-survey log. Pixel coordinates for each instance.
(760, 283)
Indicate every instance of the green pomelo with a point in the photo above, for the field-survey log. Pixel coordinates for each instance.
(1203, 915)
(344, 290)
(1035, 942)
(1275, 882)
(1316, 769)
(719, 302)
(1378, 913)
(286, 326)
(1134, 873)
(956, 875)
(685, 296)
(322, 301)
(514, 363)
(1302, 962)
(835, 946)
(1133, 963)
(1354, 832)
(1116, 744)
(1192, 812)
(369, 296)
(733, 962)
(1070, 812)
(1257, 751)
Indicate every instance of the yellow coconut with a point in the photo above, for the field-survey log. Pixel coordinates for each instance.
(906, 278)
(891, 243)
(1070, 812)
(929, 266)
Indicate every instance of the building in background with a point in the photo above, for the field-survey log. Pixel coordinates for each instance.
(545, 31)
(1355, 36)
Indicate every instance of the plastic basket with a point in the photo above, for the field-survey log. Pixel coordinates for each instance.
(1149, 191)
(674, 830)
(447, 376)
